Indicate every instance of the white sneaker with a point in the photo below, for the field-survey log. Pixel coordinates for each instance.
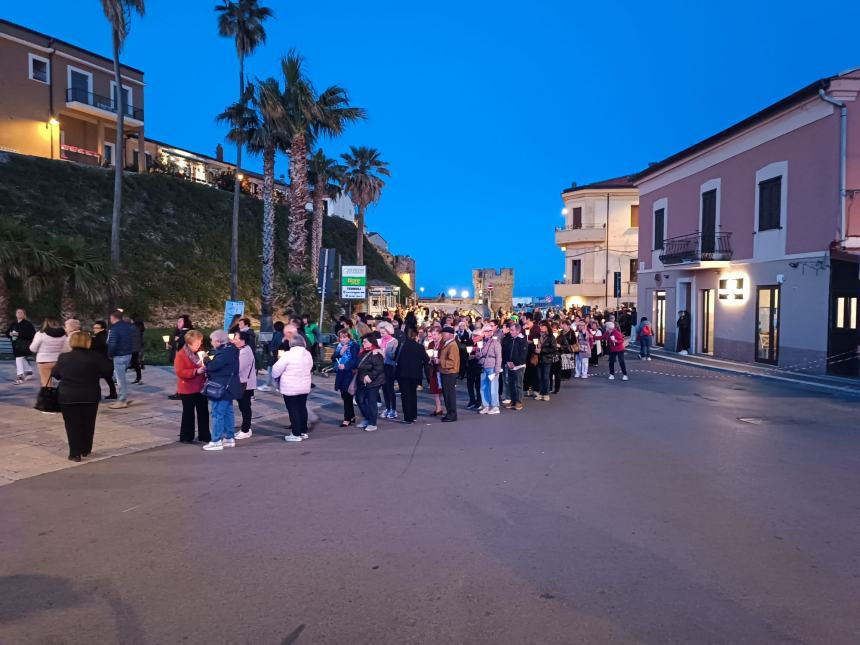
(483, 410)
(624, 378)
(683, 352)
(363, 424)
(229, 443)
(392, 414)
(264, 388)
(611, 378)
(506, 402)
(370, 429)
(649, 358)
(19, 380)
(494, 411)
(213, 445)
(244, 435)
(546, 397)
(584, 376)
(292, 438)
(305, 436)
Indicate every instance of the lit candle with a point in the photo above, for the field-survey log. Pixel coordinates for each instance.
(426, 343)
(480, 344)
(469, 349)
(231, 336)
(282, 353)
(201, 354)
(166, 339)
(536, 342)
(431, 353)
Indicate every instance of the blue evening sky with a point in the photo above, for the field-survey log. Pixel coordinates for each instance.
(485, 110)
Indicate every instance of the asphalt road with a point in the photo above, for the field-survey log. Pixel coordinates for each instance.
(638, 512)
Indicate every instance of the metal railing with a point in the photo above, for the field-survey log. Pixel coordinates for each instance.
(696, 247)
(101, 102)
(580, 227)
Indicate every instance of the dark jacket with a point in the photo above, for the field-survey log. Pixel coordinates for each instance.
(224, 370)
(26, 331)
(348, 357)
(100, 343)
(519, 350)
(507, 340)
(121, 339)
(79, 372)
(548, 348)
(411, 360)
(137, 336)
(372, 365)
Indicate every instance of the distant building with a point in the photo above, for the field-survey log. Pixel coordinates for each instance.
(599, 239)
(754, 232)
(404, 267)
(378, 241)
(493, 288)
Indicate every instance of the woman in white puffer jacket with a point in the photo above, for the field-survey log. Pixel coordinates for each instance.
(48, 343)
(293, 369)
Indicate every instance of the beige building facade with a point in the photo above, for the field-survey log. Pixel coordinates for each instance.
(599, 239)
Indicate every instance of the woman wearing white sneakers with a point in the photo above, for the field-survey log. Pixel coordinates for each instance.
(293, 369)
(615, 340)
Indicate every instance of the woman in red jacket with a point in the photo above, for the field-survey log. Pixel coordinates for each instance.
(191, 376)
(615, 340)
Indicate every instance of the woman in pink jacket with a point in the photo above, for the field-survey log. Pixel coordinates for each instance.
(293, 369)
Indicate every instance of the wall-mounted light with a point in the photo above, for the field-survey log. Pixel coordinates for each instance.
(563, 249)
(241, 176)
(53, 121)
(731, 289)
(564, 211)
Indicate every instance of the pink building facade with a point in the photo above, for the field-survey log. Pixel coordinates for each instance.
(755, 234)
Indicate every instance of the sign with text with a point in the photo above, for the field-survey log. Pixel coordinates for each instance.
(617, 284)
(353, 282)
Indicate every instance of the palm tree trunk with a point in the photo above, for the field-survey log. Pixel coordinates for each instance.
(359, 235)
(317, 229)
(119, 164)
(268, 239)
(297, 230)
(237, 189)
(67, 300)
(4, 296)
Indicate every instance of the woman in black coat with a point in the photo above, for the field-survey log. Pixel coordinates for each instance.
(369, 377)
(79, 372)
(411, 363)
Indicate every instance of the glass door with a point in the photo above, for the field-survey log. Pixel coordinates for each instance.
(706, 338)
(660, 318)
(767, 325)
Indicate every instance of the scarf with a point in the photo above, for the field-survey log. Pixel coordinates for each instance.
(192, 356)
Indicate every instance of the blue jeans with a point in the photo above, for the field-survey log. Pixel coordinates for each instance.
(120, 365)
(543, 377)
(490, 388)
(366, 397)
(645, 346)
(222, 420)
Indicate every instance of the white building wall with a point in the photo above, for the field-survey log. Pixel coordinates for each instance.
(341, 207)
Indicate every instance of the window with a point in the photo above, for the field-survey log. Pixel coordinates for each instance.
(39, 70)
(576, 271)
(80, 86)
(634, 270)
(846, 312)
(659, 217)
(108, 160)
(577, 217)
(709, 222)
(769, 204)
(634, 216)
(127, 103)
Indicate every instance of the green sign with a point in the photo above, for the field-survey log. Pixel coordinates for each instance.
(353, 282)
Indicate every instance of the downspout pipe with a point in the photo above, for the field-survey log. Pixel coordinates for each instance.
(843, 152)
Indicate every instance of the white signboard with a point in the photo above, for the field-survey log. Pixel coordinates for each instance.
(353, 282)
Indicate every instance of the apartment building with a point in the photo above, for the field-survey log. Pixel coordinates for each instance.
(60, 101)
(755, 233)
(599, 240)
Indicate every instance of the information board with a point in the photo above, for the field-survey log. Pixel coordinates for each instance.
(353, 282)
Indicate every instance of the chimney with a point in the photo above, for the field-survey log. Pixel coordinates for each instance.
(219, 152)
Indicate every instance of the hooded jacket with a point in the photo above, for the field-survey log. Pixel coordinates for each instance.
(49, 344)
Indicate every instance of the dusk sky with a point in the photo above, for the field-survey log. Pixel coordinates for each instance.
(486, 111)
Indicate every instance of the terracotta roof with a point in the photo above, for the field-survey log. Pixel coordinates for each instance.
(606, 184)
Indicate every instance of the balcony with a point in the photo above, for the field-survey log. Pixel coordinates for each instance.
(567, 235)
(696, 248)
(581, 289)
(102, 106)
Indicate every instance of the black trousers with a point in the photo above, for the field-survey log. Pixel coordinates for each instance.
(80, 420)
(136, 364)
(449, 395)
(617, 356)
(245, 408)
(530, 379)
(464, 362)
(297, 407)
(473, 385)
(194, 404)
(409, 398)
(388, 389)
(555, 377)
(348, 405)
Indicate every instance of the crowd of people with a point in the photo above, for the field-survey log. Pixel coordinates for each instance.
(502, 360)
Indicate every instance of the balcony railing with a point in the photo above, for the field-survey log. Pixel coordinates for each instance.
(79, 95)
(696, 247)
(579, 227)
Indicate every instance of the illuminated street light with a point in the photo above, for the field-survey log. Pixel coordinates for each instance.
(53, 121)
(564, 211)
(452, 292)
(464, 294)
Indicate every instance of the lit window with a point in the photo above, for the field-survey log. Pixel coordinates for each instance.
(840, 313)
(853, 313)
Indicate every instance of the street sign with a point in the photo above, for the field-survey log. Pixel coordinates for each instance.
(547, 299)
(353, 282)
(489, 286)
(618, 284)
(231, 309)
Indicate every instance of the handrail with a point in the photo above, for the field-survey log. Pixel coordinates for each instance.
(573, 227)
(101, 102)
(696, 247)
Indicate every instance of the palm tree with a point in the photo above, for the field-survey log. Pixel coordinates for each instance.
(118, 14)
(22, 260)
(80, 272)
(362, 182)
(241, 20)
(309, 115)
(258, 122)
(324, 173)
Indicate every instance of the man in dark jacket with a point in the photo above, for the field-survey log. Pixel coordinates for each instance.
(99, 346)
(449, 368)
(21, 334)
(120, 349)
(411, 362)
(223, 370)
(516, 364)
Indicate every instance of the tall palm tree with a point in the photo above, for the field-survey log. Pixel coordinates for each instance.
(118, 14)
(324, 173)
(362, 182)
(309, 115)
(243, 21)
(258, 122)
(79, 270)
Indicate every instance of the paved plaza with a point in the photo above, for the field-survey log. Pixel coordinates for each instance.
(684, 506)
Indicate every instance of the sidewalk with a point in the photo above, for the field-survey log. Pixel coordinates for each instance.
(820, 381)
(35, 443)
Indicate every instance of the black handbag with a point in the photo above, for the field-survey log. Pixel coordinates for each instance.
(47, 400)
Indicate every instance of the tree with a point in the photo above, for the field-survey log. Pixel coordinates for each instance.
(309, 115)
(258, 122)
(324, 173)
(243, 21)
(80, 272)
(118, 14)
(22, 260)
(362, 182)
